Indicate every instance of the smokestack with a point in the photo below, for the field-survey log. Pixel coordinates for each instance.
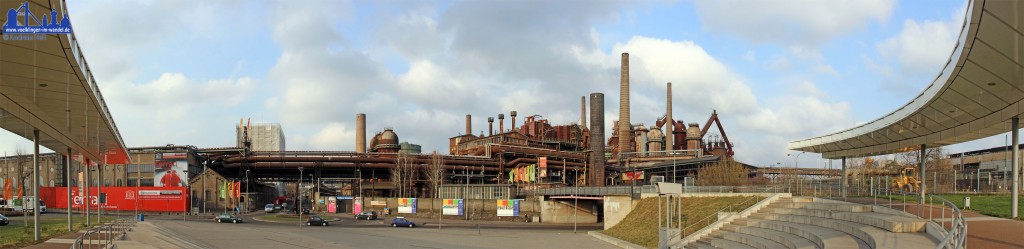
(624, 124)
(469, 124)
(668, 118)
(361, 133)
(596, 177)
(490, 126)
(583, 111)
(513, 120)
(501, 123)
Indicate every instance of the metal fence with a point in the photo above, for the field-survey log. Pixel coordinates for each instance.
(103, 236)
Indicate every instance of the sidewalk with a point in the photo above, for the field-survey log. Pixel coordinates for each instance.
(983, 231)
(145, 235)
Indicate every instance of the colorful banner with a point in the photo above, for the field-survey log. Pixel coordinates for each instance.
(629, 176)
(508, 207)
(357, 205)
(407, 205)
(154, 199)
(542, 162)
(170, 170)
(332, 205)
(223, 190)
(453, 207)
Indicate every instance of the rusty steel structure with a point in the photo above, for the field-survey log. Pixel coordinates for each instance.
(577, 153)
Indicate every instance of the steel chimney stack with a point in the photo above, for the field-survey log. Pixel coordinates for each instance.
(361, 133)
(469, 124)
(583, 111)
(669, 124)
(513, 114)
(624, 124)
(501, 123)
(490, 126)
(596, 175)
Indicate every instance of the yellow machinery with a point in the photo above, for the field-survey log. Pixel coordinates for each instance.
(907, 180)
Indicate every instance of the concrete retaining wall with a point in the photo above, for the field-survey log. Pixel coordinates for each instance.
(616, 208)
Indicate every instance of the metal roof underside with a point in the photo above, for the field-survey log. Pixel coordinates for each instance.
(975, 95)
(47, 85)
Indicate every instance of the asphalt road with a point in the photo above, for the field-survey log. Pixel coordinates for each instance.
(349, 233)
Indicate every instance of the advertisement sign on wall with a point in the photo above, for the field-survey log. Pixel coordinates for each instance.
(357, 205)
(332, 205)
(170, 170)
(169, 199)
(453, 207)
(407, 205)
(508, 207)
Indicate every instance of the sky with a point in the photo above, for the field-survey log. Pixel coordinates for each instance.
(775, 71)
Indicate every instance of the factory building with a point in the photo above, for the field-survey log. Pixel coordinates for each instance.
(263, 136)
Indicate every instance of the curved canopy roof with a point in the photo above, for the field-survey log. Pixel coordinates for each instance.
(974, 96)
(46, 85)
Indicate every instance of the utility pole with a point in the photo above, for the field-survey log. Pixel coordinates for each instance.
(298, 197)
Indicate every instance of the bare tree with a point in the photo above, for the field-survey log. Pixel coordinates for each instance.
(723, 173)
(403, 174)
(435, 173)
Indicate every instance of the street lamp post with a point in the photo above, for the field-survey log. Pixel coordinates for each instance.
(247, 193)
(187, 193)
(796, 164)
(298, 196)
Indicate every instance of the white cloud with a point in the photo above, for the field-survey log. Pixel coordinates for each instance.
(333, 137)
(917, 54)
(805, 23)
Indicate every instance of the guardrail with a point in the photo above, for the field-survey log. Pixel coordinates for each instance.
(953, 237)
(626, 190)
(107, 233)
(756, 197)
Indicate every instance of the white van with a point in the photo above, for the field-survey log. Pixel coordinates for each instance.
(30, 204)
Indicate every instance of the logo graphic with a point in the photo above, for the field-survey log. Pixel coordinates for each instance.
(22, 24)
(129, 195)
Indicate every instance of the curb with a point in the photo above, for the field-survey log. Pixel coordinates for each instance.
(614, 241)
(276, 221)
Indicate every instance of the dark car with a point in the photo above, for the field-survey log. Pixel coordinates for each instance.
(402, 222)
(316, 221)
(367, 215)
(3, 220)
(227, 218)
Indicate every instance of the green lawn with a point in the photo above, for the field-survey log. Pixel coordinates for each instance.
(996, 205)
(641, 225)
(16, 235)
(283, 217)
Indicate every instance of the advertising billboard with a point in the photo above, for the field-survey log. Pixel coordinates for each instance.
(170, 170)
(357, 205)
(407, 205)
(453, 207)
(508, 207)
(157, 199)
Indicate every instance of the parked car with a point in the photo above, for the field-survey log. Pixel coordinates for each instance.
(277, 208)
(228, 218)
(316, 221)
(367, 215)
(4, 221)
(402, 222)
(269, 208)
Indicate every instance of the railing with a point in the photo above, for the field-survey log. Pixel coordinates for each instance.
(107, 233)
(594, 191)
(954, 237)
(706, 221)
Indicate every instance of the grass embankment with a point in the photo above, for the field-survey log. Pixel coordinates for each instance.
(16, 235)
(641, 225)
(996, 205)
(283, 217)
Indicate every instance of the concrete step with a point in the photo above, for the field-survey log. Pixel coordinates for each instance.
(875, 237)
(822, 236)
(842, 207)
(789, 240)
(748, 239)
(699, 245)
(724, 243)
(889, 222)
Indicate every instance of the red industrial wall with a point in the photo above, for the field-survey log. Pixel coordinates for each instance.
(154, 199)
